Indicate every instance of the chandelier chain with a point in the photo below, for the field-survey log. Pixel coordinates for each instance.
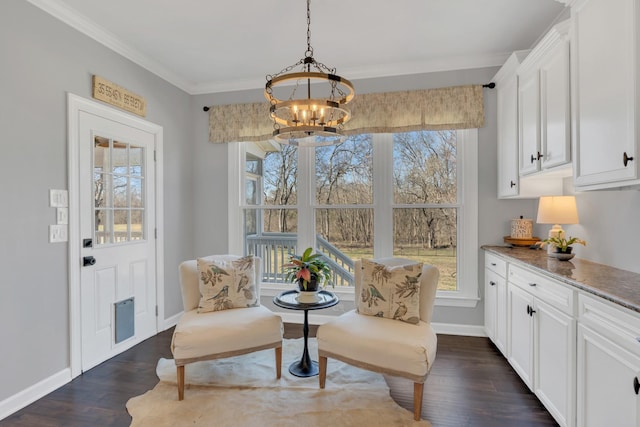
(309, 51)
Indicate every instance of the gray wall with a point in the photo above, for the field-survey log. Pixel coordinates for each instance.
(42, 60)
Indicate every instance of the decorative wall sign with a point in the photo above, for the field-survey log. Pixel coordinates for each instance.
(111, 93)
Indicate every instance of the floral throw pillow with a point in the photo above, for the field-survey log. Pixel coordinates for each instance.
(391, 292)
(226, 284)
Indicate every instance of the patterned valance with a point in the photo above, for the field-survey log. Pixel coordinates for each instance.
(458, 107)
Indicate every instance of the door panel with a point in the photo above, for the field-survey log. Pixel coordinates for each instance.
(118, 213)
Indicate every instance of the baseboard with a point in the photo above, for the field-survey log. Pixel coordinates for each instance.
(171, 321)
(33, 393)
(463, 330)
(440, 328)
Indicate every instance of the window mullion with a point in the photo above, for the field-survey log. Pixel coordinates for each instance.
(383, 195)
(306, 198)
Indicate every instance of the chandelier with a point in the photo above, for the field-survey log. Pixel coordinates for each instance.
(315, 110)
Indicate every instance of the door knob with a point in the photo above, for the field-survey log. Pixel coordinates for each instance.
(88, 260)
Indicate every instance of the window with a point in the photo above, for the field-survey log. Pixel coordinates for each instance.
(118, 185)
(411, 195)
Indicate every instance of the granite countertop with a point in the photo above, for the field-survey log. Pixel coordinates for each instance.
(619, 286)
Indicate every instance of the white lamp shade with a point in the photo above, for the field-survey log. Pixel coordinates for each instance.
(557, 210)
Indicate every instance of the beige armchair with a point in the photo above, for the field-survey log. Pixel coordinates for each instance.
(225, 333)
(384, 345)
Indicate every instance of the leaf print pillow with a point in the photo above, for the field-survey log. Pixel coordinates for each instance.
(227, 283)
(391, 292)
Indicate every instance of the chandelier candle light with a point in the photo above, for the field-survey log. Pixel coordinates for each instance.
(303, 119)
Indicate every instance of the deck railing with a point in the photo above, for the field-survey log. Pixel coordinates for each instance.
(274, 249)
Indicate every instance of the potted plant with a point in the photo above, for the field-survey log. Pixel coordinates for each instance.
(562, 244)
(309, 270)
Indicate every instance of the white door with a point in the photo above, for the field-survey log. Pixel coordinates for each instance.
(117, 237)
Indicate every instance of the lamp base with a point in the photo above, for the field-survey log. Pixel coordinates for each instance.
(555, 231)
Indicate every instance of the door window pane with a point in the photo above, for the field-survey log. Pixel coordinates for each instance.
(103, 226)
(137, 220)
(135, 162)
(118, 186)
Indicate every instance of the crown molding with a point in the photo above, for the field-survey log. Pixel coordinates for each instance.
(375, 71)
(88, 27)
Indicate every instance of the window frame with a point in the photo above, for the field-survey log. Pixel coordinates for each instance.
(467, 294)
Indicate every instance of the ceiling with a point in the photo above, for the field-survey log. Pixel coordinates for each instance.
(218, 46)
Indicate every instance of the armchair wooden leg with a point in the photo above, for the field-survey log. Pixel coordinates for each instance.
(278, 362)
(180, 370)
(417, 400)
(322, 368)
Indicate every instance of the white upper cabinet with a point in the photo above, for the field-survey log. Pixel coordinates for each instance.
(544, 104)
(507, 99)
(605, 93)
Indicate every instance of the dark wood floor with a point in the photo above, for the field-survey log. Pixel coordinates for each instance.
(470, 384)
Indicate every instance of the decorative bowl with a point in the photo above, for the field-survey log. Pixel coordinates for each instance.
(562, 256)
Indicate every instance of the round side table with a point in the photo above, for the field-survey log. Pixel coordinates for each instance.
(305, 367)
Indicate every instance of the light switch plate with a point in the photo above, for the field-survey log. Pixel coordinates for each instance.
(62, 215)
(58, 198)
(58, 233)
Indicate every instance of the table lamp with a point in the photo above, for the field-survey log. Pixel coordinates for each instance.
(557, 210)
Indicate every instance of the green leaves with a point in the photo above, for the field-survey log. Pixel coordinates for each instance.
(306, 266)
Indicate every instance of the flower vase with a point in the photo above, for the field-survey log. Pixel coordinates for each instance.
(310, 294)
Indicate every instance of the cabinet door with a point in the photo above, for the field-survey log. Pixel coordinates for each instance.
(605, 382)
(529, 121)
(490, 300)
(520, 346)
(508, 175)
(554, 361)
(605, 70)
(501, 315)
(555, 113)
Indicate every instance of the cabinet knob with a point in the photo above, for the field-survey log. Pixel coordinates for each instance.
(533, 284)
(636, 385)
(493, 264)
(492, 283)
(513, 184)
(530, 310)
(626, 159)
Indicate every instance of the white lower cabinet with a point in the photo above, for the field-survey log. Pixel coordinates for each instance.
(495, 301)
(542, 331)
(577, 352)
(608, 369)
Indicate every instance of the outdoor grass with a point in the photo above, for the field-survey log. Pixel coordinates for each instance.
(443, 259)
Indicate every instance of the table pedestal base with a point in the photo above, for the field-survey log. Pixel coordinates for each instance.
(302, 369)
